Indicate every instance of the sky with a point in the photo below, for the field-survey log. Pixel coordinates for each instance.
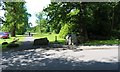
(35, 6)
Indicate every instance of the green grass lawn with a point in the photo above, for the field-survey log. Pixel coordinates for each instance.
(102, 42)
(21, 38)
(6, 40)
(51, 37)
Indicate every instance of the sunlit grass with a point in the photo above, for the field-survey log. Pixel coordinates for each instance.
(20, 37)
(6, 40)
(51, 37)
(9, 40)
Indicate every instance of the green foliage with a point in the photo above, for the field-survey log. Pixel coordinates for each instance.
(99, 19)
(116, 21)
(102, 42)
(102, 16)
(51, 37)
(42, 26)
(36, 29)
(67, 29)
(16, 18)
(62, 13)
(55, 12)
(9, 40)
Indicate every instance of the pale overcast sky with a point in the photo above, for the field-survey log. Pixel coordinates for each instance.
(35, 6)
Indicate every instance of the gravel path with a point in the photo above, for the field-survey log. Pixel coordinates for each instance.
(27, 42)
(60, 59)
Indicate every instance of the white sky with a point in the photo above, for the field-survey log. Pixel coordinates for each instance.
(35, 6)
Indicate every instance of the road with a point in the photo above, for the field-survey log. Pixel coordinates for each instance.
(60, 59)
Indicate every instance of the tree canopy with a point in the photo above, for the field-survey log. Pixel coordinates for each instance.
(16, 18)
(98, 19)
(42, 26)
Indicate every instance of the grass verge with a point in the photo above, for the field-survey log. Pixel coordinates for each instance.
(102, 42)
(9, 40)
(51, 37)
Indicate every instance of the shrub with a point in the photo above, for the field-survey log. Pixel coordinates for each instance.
(67, 29)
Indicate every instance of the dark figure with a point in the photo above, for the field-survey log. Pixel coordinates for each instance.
(29, 33)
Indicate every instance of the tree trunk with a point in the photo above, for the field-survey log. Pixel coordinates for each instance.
(82, 25)
(13, 31)
(40, 29)
(112, 23)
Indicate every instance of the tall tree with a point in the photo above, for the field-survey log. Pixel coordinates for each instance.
(16, 17)
(60, 12)
(98, 20)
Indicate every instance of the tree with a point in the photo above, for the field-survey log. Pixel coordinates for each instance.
(96, 19)
(55, 12)
(116, 16)
(59, 13)
(1, 18)
(42, 22)
(16, 18)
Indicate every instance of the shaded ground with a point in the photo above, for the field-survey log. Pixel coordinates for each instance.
(27, 44)
(40, 58)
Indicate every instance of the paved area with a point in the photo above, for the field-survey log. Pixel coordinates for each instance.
(26, 44)
(60, 58)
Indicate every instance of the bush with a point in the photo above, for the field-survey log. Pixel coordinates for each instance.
(115, 35)
(67, 29)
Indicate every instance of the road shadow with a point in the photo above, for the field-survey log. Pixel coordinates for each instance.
(28, 58)
(61, 64)
(26, 45)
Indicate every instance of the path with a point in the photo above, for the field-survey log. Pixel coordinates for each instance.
(26, 44)
(59, 59)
